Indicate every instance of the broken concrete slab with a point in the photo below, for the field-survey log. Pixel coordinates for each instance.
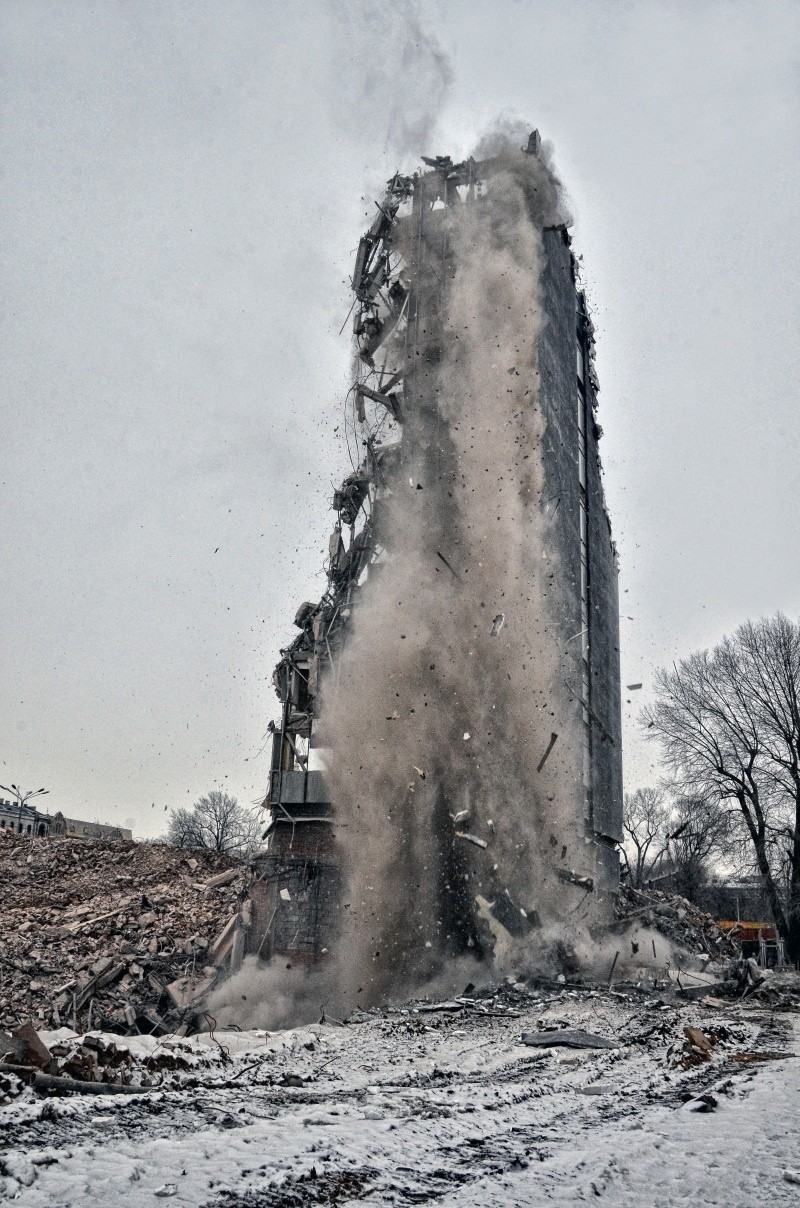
(188, 989)
(223, 943)
(34, 1053)
(222, 878)
(573, 1038)
(517, 922)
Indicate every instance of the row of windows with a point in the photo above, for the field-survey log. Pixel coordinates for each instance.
(584, 550)
(23, 828)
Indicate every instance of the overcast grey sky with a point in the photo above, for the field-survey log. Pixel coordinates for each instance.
(184, 187)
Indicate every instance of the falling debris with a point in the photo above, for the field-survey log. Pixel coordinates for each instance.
(471, 839)
(633, 687)
(550, 745)
(575, 878)
(514, 918)
(447, 564)
(497, 624)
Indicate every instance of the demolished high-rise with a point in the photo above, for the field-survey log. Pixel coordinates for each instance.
(446, 772)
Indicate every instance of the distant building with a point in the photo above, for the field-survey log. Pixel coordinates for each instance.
(27, 820)
(23, 820)
(73, 828)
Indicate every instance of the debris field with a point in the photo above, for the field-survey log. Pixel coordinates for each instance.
(506, 1094)
(509, 1095)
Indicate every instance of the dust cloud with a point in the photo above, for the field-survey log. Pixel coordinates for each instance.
(444, 701)
(392, 75)
(451, 683)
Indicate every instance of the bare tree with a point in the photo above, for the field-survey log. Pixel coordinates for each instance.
(771, 653)
(645, 826)
(218, 823)
(698, 834)
(676, 840)
(729, 724)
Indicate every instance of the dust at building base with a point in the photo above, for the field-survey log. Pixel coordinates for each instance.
(446, 772)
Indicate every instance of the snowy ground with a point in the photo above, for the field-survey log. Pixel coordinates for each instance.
(416, 1106)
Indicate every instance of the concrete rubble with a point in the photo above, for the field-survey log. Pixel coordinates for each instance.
(119, 936)
(677, 919)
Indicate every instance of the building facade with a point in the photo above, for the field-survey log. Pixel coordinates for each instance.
(75, 828)
(26, 820)
(23, 820)
(569, 398)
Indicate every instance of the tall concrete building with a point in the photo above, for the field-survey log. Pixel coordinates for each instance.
(405, 334)
(568, 397)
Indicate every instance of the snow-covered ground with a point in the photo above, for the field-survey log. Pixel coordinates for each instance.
(445, 1106)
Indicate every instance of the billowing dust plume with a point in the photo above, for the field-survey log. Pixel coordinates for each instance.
(439, 714)
(391, 73)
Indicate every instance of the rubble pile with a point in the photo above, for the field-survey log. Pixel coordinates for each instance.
(776, 989)
(114, 935)
(98, 1063)
(676, 918)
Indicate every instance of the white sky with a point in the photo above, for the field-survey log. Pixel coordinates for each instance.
(184, 187)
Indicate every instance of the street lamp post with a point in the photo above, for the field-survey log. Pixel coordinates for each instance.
(23, 799)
